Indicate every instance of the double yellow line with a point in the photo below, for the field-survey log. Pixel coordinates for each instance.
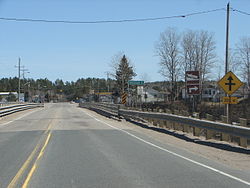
(27, 180)
(26, 164)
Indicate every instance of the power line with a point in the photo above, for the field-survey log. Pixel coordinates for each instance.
(240, 11)
(110, 21)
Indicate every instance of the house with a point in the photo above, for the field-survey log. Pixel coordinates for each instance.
(5, 96)
(152, 95)
(209, 93)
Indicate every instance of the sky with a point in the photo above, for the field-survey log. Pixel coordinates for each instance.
(72, 51)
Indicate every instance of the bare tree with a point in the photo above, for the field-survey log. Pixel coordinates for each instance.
(167, 48)
(243, 51)
(207, 53)
(233, 64)
(233, 61)
(188, 45)
(198, 52)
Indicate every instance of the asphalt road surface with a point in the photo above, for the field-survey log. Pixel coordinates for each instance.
(62, 145)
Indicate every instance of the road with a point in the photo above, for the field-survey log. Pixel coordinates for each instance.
(62, 145)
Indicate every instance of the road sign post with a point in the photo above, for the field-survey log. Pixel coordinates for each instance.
(229, 83)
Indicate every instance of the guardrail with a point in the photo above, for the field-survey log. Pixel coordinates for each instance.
(7, 110)
(186, 124)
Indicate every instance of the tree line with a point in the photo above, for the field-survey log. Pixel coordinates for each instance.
(50, 90)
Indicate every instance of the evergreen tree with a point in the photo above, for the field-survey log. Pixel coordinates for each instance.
(124, 73)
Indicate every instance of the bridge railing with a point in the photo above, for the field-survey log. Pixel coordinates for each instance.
(198, 127)
(10, 109)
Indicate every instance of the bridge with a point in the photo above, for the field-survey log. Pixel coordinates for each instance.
(64, 145)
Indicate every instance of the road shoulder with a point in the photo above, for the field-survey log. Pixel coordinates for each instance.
(232, 159)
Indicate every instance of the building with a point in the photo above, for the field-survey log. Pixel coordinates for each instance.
(6, 96)
(152, 95)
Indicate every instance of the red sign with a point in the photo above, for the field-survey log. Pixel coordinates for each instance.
(193, 82)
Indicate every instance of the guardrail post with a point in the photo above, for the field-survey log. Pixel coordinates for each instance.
(148, 119)
(243, 141)
(196, 130)
(118, 111)
(176, 125)
(224, 136)
(161, 122)
(168, 124)
(165, 124)
(154, 122)
(209, 133)
(185, 127)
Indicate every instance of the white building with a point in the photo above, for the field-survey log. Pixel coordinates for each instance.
(4, 96)
(152, 95)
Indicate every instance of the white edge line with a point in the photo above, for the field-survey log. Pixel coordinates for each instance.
(173, 153)
(1, 125)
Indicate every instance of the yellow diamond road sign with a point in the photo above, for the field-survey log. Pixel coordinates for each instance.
(230, 83)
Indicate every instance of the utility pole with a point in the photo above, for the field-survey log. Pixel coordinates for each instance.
(24, 71)
(228, 110)
(19, 79)
(28, 83)
(108, 80)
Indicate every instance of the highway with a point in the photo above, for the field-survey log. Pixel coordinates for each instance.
(62, 145)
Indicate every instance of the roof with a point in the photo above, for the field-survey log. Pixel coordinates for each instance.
(8, 93)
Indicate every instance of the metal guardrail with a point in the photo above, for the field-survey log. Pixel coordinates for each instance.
(111, 109)
(225, 129)
(7, 110)
(203, 124)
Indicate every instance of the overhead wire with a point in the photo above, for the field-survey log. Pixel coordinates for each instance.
(110, 21)
(240, 11)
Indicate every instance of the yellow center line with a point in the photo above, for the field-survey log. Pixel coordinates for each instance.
(30, 158)
(29, 176)
(23, 168)
(27, 180)
(44, 146)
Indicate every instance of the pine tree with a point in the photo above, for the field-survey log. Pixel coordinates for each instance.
(124, 73)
